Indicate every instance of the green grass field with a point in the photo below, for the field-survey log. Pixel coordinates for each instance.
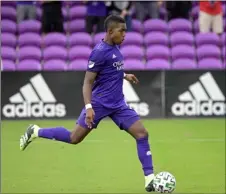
(107, 162)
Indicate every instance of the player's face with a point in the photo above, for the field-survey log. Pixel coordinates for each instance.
(118, 33)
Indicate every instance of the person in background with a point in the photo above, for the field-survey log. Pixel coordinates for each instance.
(52, 17)
(178, 9)
(96, 14)
(211, 16)
(124, 9)
(26, 10)
(150, 8)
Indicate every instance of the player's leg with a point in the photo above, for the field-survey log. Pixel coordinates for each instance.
(55, 133)
(128, 120)
(62, 134)
(140, 134)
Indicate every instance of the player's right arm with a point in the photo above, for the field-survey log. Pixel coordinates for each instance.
(95, 65)
(87, 94)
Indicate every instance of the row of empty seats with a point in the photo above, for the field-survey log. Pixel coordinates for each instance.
(157, 64)
(78, 25)
(129, 52)
(132, 38)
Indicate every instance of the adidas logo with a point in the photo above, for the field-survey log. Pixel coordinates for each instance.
(203, 98)
(133, 100)
(113, 56)
(35, 99)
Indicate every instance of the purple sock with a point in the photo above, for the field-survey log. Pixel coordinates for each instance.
(58, 133)
(144, 155)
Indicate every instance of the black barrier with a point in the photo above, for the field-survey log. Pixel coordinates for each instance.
(195, 93)
(51, 95)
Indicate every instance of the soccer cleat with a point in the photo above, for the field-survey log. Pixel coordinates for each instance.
(149, 183)
(29, 135)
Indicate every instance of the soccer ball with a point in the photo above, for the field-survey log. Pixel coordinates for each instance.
(164, 182)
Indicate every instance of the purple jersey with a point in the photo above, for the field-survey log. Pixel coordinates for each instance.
(107, 61)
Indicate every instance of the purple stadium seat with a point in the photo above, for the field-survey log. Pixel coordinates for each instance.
(80, 38)
(55, 65)
(79, 64)
(183, 52)
(184, 64)
(8, 65)
(210, 63)
(55, 52)
(77, 12)
(29, 26)
(79, 52)
(8, 12)
(132, 52)
(77, 25)
(29, 52)
(29, 65)
(157, 64)
(133, 38)
(195, 12)
(155, 25)
(8, 39)
(8, 26)
(180, 25)
(55, 39)
(29, 39)
(8, 53)
(133, 64)
(207, 38)
(158, 52)
(137, 26)
(156, 38)
(98, 37)
(208, 51)
(184, 38)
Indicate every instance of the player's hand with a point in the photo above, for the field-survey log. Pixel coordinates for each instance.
(132, 78)
(90, 117)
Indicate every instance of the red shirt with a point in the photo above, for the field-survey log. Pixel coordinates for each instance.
(212, 9)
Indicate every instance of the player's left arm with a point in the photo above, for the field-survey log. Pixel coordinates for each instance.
(131, 78)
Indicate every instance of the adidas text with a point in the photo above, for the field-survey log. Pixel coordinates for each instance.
(195, 108)
(141, 108)
(23, 110)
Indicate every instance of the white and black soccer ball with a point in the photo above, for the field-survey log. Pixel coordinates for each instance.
(164, 182)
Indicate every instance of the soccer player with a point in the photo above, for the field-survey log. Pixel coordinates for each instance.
(103, 97)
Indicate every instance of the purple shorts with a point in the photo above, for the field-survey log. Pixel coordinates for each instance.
(124, 117)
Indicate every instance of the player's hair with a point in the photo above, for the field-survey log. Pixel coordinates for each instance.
(112, 19)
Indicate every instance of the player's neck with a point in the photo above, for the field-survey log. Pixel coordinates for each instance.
(108, 41)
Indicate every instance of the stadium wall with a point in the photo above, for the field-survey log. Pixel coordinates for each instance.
(160, 94)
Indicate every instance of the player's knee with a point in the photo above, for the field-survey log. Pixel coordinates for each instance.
(141, 133)
(75, 141)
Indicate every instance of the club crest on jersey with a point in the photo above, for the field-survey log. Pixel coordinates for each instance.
(118, 65)
(91, 64)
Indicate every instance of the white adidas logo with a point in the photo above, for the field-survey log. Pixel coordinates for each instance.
(35, 99)
(203, 98)
(133, 100)
(113, 56)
